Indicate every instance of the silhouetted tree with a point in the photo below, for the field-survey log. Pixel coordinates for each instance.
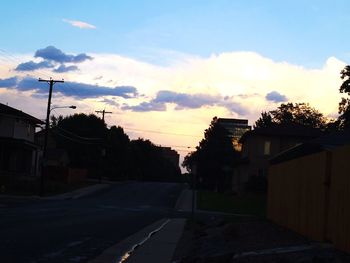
(264, 121)
(344, 104)
(83, 137)
(90, 144)
(298, 113)
(214, 158)
(54, 120)
(149, 164)
(117, 153)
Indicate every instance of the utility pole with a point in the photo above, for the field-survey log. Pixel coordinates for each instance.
(51, 82)
(103, 113)
(103, 151)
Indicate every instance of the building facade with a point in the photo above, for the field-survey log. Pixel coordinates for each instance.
(18, 151)
(236, 129)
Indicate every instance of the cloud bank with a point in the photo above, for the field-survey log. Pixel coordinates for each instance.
(31, 65)
(71, 89)
(184, 101)
(52, 53)
(53, 58)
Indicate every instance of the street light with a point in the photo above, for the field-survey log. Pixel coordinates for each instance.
(60, 107)
(47, 126)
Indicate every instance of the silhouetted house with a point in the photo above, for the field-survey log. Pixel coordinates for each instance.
(260, 144)
(57, 166)
(171, 155)
(308, 189)
(18, 151)
(236, 128)
(55, 156)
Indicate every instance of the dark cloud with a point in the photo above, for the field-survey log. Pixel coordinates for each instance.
(146, 106)
(276, 97)
(183, 100)
(186, 101)
(8, 83)
(83, 90)
(31, 65)
(54, 54)
(111, 102)
(62, 68)
(73, 89)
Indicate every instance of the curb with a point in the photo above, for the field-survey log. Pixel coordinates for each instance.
(154, 243)
(78, 193)
(117, 252)
(28, 197)
(65, 196)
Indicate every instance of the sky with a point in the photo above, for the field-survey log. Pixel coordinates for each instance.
(166, 68)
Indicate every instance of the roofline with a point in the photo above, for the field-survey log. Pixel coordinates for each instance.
(22, 115)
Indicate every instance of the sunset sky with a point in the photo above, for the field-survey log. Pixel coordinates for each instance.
(166, 68)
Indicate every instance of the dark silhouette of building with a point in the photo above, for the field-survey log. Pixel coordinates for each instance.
(236, 129)
(261, 144)
(18, 151)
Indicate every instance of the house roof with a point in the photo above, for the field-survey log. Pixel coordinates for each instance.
(9, 111)
(287, 130)
(326, 142)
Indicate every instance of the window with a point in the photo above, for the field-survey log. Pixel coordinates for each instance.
(267, 147)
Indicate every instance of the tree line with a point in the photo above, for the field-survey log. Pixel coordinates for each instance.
(109, 152)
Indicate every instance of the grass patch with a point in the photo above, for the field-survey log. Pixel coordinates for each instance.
(252, 204)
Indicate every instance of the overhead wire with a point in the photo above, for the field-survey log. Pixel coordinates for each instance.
(42, 72)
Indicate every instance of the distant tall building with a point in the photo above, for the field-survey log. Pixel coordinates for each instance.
(236, 128)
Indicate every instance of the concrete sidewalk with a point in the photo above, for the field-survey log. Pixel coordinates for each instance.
(155, 243)
(184, 202)
(161, 246)
(81, 192)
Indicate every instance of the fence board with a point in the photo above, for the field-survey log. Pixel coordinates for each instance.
(339, 210)
(296, 195)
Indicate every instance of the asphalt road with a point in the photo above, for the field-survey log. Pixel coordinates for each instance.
(79, 230)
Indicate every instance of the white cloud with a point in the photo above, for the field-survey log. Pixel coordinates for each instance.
(79, 24)
(243, 77)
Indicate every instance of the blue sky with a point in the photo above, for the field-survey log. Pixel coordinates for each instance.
(302, 32)
(171, 66)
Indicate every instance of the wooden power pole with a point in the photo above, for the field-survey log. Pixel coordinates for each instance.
(103, 113)
(47, 127)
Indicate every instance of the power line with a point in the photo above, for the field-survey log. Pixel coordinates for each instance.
(10, 57)
(13, 58)
(79, 137)
(75, 140)
(160, 132)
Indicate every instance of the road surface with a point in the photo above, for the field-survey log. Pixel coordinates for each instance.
(79, 230)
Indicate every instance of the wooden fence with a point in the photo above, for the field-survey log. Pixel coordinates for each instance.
(311, 196)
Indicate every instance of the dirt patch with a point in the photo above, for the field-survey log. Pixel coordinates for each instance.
(217, 241)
